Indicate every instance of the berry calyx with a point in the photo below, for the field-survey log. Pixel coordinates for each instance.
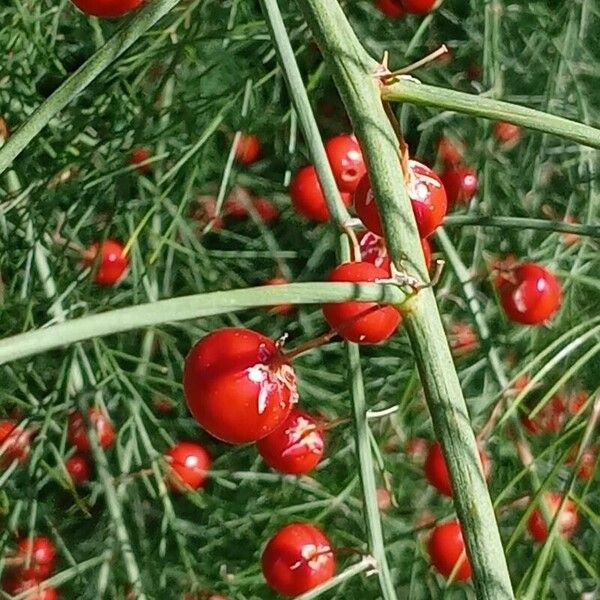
(447, 551)
(248, 149)
(507, 134)
(111, 267)
(346, 160)
(189, 464)
(529, 294)
(390, 8)
(308, 198)
(297, 559)
(436, 471)
(376, 325)
(568, 519)
(280, 309)
(417, 7)
(78, 468)
(295, 447)
(427, 196)
(238, 385)
(15, 443)
(139, 156)
(107, 9)
(460, 184)
(36, 556)
(77, 433)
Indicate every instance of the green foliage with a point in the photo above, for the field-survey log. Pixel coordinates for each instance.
(207, 70)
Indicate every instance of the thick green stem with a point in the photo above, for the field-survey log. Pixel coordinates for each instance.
(190, 307)
(74, 85)
(353, 73)
(480, 106)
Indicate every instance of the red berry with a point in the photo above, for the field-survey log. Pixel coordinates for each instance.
(163, 406)
(530, 294)
(418, 7)
(373, 250)
(436, 471)
(238, 385)
(295, 447)
(449, 152)
(280, 309)
(308, 198)
(427, 195)
(567, 521)
(297, 559)
(587, 465)
(247, 151)
(77, 430)
(189, 465)
(205, 212)
(17, 585)
(346, 160)
(463, 338)
(107, 9)
(138, 156)
(372, 328)
(37, 556)
(384, 499)
(15, 443)
(78, 468)
(447, 548)
(266, 210)
(460, 184)
(112, 265)
(390, 8)
(507, 134)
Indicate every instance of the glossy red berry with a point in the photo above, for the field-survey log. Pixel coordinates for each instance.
(78, 468)
(17, 585)
(529, 294)
(346, 160)
(418, 7)
(139, 156)
(427, 195)
(189, 465)
(238, 385)
(567, 521)
(248, 149)
(373, 250)
(295, 447)
(111, 267)
(108, 9)
(447, 550)
(308, 198)
(460, 184)
(375, 326)
(390, 8)
(507, 134)
(15, 443)
(297, 559)
(280, 309)
(36, 557)
(77, 430)
(436, 471)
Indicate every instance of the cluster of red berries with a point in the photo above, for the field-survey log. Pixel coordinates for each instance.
(30, 565)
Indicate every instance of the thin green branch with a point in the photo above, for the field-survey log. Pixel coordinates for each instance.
(353, 72)
(190, 307)
(523, 223)
(74, 85)
(480, 106)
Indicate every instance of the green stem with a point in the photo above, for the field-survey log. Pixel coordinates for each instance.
(190, 307)
(74, 85)
(522, 223)
(480, 106)
(352, 70)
